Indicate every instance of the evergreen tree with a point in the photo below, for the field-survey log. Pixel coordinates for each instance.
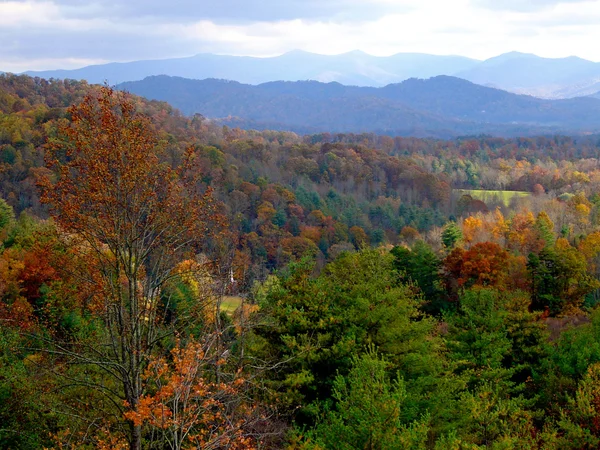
(451, 235)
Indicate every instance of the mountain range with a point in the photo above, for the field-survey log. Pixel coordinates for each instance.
(515, 72)
(441, 106)
(353, 68)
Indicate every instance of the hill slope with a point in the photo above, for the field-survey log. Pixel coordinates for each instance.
(441, 106)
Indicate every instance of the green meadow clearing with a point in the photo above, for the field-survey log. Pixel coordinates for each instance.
(230, 304)
(488, 196)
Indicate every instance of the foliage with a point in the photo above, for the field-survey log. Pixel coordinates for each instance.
(368, 411)
(352, 300)
(422, 266)
(451, 235)
(6, 215)
(131, 219)
(318, 325)
(187, 407)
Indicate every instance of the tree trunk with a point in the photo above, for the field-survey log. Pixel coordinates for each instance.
(136, 437)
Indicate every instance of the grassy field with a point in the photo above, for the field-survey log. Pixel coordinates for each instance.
(230, 304)
(489, 197)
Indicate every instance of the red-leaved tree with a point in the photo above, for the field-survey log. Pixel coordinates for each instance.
(129, 219)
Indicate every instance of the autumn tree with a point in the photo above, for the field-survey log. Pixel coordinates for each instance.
(359, 237)
(130, 219)
(188, 408)
(485, 264)
(472, 227)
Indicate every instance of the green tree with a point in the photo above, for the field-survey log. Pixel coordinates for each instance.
(7, 215)
(559, 278)
(495, 338)
(27, 414)
(579, 423)
(576, 349)
(451, 235)
(545, 228)
(317, 325)
(497, 346)
(421, 265)
(368, 411)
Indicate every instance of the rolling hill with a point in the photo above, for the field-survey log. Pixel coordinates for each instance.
(440, 106)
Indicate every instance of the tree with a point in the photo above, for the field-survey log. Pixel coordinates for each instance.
(545, 228)
(359, 237)
(26, 418)
(422, 266)
(297, 247)
(485, 264)
(497, 346)
(538, 190)
(472, 226)
(130, 219)
(409, 234)
(369, 411)
(580, 421)
(493, 333)
(188, 407)
(6, 214)
(451, 235)
(317, 325)
(523, 234)
(559, 278)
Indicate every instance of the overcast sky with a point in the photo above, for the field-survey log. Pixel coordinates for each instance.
(72, 33)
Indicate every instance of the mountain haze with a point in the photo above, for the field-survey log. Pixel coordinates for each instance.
(353, 68)
(542, 77)
(516, 72)
(440, 106)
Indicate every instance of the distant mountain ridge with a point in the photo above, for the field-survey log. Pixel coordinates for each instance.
(541, 77)
(352, 68)
(441, 106)
(515, 72)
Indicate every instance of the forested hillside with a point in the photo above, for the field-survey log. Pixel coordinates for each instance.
(441, 106)
(169, 282)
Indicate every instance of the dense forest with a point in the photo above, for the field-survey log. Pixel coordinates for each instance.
(169, 282)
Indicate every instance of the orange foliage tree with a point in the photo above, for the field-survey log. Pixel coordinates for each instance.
(484, 264)
(131, 219)
(189, 407)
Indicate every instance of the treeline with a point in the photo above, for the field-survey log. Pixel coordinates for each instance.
(375, 311)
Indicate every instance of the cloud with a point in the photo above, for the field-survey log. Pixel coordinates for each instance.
(522, 5)
(40, 34)
(233, 11)
(71, 30)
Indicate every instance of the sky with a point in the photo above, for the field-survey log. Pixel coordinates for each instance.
(40, 34)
